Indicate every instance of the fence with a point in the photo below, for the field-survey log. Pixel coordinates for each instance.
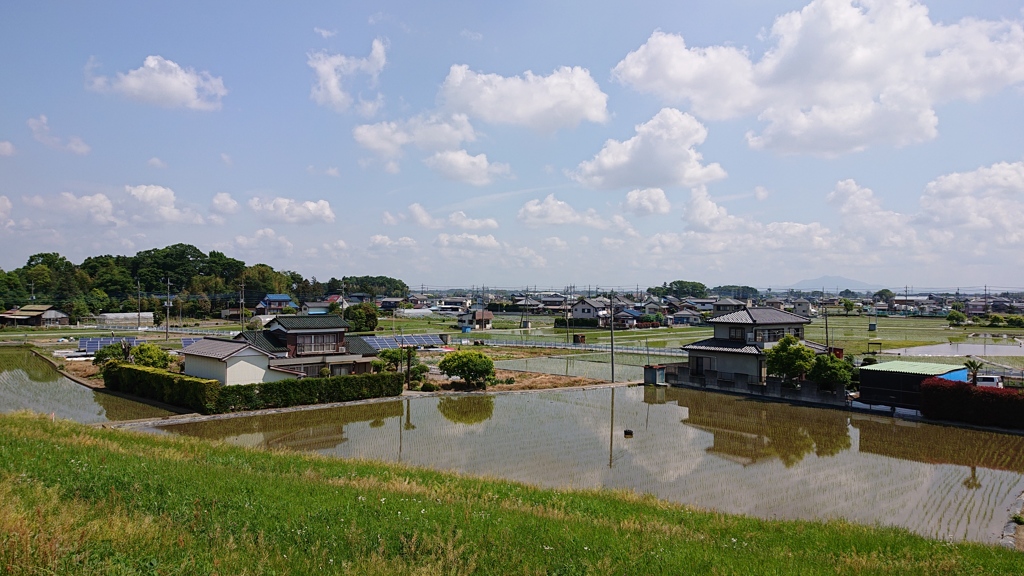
(675, 352)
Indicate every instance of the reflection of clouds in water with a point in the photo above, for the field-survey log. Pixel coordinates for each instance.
(725, 456)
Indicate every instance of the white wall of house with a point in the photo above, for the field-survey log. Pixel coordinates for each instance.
(203, 367)
(250, 366)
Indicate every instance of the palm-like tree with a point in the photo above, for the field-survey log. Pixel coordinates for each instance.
(973, 366)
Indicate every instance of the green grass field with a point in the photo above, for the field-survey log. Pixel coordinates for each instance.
(80, 500)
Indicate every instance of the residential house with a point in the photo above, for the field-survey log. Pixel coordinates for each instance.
(477, 319)
(34, 315)
(727, 306)
(307, 344)
(390, 304)
(419, 299)
(273, 304)
(686, 318)
(736, 351)
(554, 303)
(315, 308)
(802, 307)
(650, 305)
(456, 305)
(701, 304)
(590, 308)
(233, 362)
(776, 303)
(627, 319)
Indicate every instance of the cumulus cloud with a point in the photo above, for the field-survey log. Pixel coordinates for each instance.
(381, 242)
(336, 246)
(761, 193)
(325, 33)
(388, 219)
(40, 128)
(840, 75)
(423, 218)
(984, 206)
(97, 207)
(163, 83)
(426, 132)
(470, 35)
(293, 211)
(460, 166)
(647, 201)
(661, 154)
(226, 159)
(160, 205)
(263, 240)
(467, 240)
(223, 203)
(5, 212)
(6, 148)
(155, 162)
(554, 212)
(330, 69)
(555, 243)
(459, 219)
(562, 99)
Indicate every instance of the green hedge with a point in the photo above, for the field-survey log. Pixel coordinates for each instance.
(304, 391)
(943, 399)
(176, 389)
(578, 322)
(209, 397)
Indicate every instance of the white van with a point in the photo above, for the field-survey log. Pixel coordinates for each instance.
(990, 381)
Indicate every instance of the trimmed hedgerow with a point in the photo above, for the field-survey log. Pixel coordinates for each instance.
(943, 399)
(210, 397)
(197, 394)
(578, 323)
(284, 393)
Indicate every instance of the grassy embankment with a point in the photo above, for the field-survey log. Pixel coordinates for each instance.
(80, 500)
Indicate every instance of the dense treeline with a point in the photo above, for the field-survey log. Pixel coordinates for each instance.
(200, 284)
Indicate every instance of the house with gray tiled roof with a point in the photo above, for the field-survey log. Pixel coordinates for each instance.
(232, 362)
(736, 351)
(308, 344)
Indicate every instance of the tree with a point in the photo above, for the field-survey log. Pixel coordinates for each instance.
(151, 355)
(362, 317)
(734, 291)
(996, 320)
(973, 367)
(829, 371)
(789, 358)
(956, 318)
(848, 305)
(466, 409)
(471, 366)
(884, 295)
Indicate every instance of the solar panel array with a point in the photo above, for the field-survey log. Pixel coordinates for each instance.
(91, 345)
(383, 342)
(186, 342)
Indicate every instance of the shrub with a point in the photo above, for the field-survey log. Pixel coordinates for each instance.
(471, 366)
(577, 323)
(428, 387)
(943, 399)
(177, 389)
(151, 355)
(291, 392)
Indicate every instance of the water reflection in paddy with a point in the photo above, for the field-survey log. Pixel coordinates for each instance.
(714, 451)
(28, 382)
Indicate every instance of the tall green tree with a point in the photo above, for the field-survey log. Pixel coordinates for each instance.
(789, 358)
(362, 317)
(473, 367)
(830, 372)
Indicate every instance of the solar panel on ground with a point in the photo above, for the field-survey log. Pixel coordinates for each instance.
(386, 342)
(91, 345)
(186, 342)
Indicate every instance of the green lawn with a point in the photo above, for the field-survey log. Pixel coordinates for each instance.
(80, 500)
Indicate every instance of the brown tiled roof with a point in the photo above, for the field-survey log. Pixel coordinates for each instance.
(760, 315)
(722, 345)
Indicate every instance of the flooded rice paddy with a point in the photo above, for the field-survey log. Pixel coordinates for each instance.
(713, 451)
(28, 382)
(961, 349)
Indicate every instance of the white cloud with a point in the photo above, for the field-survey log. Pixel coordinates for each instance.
(647, 201)
(426, 132)
(470, 35)
(163, 83)
(388, 219)
(333, 171)
(264, 239)
(554, 212)
(98, 208)
(40, 128)
(293, 211)
(761, 193)
(840, 76)
(867, 223)
(555, 243)
(226, 159)
(562, 99)
(459, 166)
(661, 154)
(460, 220)
(223, 203)
(984, 207)
(331, 68)
(325, 33)
(382, 242)
(155, 162)
(161, 203)
(5, 212)
(6, 148)
(466, 240)
(423, 218)
(336, 246)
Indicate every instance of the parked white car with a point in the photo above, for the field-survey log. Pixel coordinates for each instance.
(990, 381)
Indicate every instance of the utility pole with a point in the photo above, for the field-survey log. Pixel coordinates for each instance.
(138, 324)
(612, 318)
(33, 285)
(241, 306)
(167, 312)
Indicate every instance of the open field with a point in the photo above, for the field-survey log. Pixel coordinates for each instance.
(81, 500)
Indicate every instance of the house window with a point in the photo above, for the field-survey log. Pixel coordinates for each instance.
(315, 343)
(736, 333)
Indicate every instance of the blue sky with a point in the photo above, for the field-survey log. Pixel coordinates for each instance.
(586, 143)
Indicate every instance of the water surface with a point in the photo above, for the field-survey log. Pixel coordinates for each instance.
(28, 382)
(714, 451)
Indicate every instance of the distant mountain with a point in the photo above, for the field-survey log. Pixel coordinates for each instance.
(829, 283)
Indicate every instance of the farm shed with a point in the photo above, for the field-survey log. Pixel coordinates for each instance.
(898, 383)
